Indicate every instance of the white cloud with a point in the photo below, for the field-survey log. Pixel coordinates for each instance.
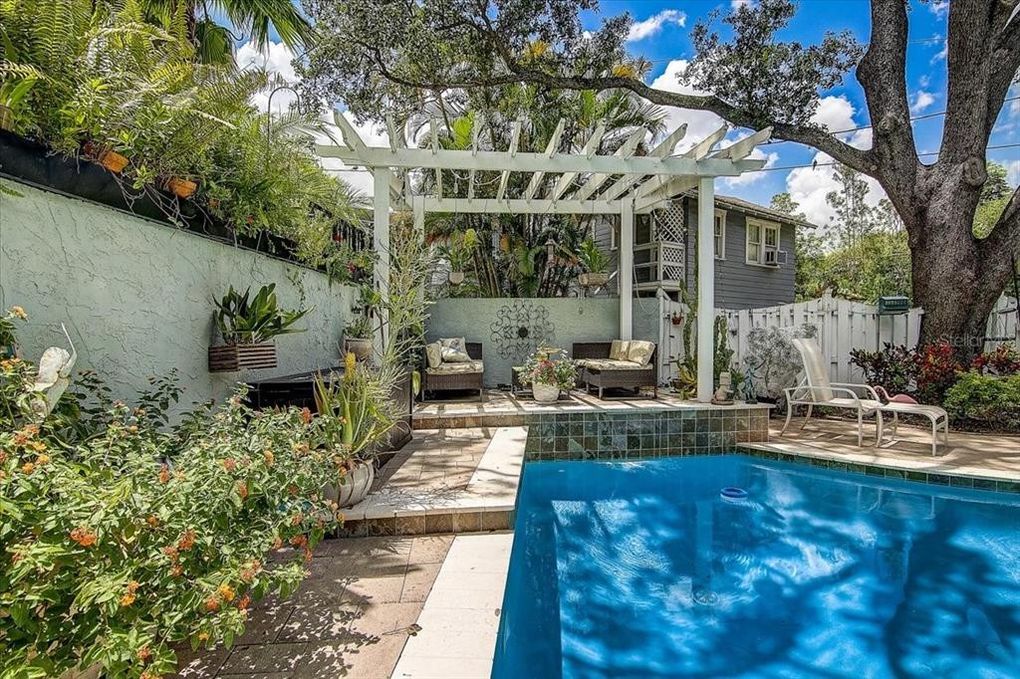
(277, 58)
(1013, 172)
(749, 178)
(737, 4)
(1014, 108)
(835, 114)
(921, 100)
(808, 187)
(640, 30)
(700, 124)
(942, 53)
(939, 8)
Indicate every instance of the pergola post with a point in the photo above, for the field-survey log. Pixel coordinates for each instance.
(418, 207)
(381, 243)
(625, 271)
(706, 288)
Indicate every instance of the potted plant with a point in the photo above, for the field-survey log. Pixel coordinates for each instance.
(247, 325)
(182, 188)
(459, 251)
(548, 377)
(358, 338)
(595, 264)
(354, 414)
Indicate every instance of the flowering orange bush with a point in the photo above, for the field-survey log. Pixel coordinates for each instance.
(120, 544)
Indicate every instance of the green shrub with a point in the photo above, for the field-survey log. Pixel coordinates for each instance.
(122, 538)
(986, 398)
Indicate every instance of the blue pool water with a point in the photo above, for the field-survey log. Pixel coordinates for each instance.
(643, 569)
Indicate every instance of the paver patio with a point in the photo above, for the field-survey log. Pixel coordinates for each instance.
(350, 617)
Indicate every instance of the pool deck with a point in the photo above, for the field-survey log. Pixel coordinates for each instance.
(984, 456)
(428, 606)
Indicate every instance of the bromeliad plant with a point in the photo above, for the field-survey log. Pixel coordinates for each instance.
(242, 319)
(120, 545)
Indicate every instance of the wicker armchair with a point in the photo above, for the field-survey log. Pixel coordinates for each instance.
(433, 380)
(613, 379)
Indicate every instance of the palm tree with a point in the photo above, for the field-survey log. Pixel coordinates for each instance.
(214, 43)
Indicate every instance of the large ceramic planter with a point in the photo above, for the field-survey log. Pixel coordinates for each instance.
(545, 393)
(361, 347)
(354, 486)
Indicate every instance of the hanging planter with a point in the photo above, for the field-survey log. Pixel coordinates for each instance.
(593, 280)
(108, 158)
(182, 188)
(677, 319)
(456, 277)
(235, 357)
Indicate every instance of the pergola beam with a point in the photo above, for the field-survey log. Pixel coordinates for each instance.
(515, 138)
(522, 206)
(498, 161)
(550, 149)
(661, 150)
(598, 179)
(589, 151)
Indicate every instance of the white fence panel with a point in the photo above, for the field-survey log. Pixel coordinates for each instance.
(844, 325)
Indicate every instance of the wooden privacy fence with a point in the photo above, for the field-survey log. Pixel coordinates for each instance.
(844, 325)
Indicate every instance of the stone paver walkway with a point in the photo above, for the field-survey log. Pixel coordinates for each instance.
(350, 618)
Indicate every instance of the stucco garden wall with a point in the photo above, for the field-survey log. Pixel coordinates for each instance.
(136, 295)
(573, 320)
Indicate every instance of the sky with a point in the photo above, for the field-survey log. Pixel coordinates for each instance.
(661, 34)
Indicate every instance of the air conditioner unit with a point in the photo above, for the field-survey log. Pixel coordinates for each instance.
(775, 257)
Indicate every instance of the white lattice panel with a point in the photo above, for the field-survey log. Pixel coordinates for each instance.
(673, 261)
(669, 223)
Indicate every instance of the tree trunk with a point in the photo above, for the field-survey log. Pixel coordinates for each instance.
(956, 277)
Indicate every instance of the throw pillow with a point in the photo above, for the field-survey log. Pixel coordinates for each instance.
(434, 353)
(640, 352)
(454, 350)
(619, 350)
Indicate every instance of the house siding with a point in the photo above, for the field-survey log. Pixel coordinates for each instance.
(739, 285)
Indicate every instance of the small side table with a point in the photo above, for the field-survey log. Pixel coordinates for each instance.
(517, 386)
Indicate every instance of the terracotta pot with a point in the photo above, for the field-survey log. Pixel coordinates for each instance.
(6, 118)
(361, 347)
(111, 160)
(593, 280)
(182, 188)
(353, 486)
(545, 393)
(456, 277)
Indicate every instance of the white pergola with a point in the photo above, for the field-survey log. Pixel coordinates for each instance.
(583, 186)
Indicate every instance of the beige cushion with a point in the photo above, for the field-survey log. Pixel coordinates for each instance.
(608, 364)
(640, 351)
(434, 354)
(461, 368)
(815, 369)
(454, 350)
(618, 350)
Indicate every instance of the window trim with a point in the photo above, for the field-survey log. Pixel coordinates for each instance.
(764, 225)
(721, 255)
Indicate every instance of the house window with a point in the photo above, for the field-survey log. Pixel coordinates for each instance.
(762, 238)
(720, 234)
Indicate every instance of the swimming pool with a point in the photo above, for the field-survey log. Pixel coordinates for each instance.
(643, 569)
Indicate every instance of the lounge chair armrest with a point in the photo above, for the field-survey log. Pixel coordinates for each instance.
(864, 387)
(833, 388)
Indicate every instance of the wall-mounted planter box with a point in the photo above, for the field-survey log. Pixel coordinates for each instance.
(235, 357)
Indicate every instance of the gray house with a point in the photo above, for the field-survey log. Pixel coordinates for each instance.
(754, 251)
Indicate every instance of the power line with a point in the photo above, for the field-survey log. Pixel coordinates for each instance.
(925, 116)
(814, 165)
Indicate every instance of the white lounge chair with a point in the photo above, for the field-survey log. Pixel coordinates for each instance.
(938, 417)
(816, 390)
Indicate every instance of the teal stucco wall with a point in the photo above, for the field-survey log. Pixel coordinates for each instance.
(136, 295)
(573, 320)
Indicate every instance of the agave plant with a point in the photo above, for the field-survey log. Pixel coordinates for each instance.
(354, 410)
(242, 319)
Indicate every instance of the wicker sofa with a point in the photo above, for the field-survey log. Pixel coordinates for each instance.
(455, 376)
(597, 371)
